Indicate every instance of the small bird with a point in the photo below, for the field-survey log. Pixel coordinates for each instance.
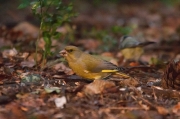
(89, 66)
(131, 48)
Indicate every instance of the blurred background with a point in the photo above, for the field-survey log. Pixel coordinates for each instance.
(98, 25)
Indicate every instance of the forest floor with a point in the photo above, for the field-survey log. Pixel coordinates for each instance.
(28, 91)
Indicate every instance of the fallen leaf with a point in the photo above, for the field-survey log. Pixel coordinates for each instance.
(15, 110)
(9, 53)
(33, 56)
(63, 68)
(176, 108)
(89, 44)
(24, 108)
(162, 110)
(29, 64)
(23, 55)
(27, 28)
(144, 106)
(129, 82)
(133, 64)
(97, 87)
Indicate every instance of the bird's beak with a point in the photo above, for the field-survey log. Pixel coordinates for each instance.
(63, 53)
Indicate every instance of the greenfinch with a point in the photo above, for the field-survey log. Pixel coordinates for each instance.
(131, 48)
(89, 66)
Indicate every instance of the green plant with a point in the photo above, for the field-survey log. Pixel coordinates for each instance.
(52, 14)
(170, 2)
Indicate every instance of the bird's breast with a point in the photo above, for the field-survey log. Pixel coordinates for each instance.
(81, 70)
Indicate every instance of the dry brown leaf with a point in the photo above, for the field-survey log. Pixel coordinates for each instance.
(143, 106)
(24, 108)
(97, 87)
(66, 29)
(27, 28)
(33, 56)
(63, 68)
(107, 54)
(23, 55)
(176, 108)
(9, 53)
(80, 94)
(129, 82)
(133, 64)
(16, 113)
(162, 110)
(89, 44)
(29, 64)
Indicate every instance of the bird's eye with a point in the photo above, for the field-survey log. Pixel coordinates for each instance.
(70, 50)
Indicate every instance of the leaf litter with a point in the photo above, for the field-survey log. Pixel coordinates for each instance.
(152, 91)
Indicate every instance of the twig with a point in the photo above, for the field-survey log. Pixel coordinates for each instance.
(125, 108)
(155, 97)
(149, 103)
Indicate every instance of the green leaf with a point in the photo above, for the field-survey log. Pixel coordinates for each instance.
(52, 14)
(24, 4)
(57, 35)
(69, 8)
(46, 37)
(21, 6)
(35, 7)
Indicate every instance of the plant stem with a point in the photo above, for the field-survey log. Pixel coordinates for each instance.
(39, 34)
(38, 39)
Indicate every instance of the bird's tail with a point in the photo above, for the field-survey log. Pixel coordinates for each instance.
(118, 71)
(146, 43)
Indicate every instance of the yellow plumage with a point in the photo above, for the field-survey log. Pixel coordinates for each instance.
(131, 48)
(86, 65)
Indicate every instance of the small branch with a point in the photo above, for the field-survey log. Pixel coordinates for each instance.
(125, 108)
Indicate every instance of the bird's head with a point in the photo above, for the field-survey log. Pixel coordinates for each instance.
(71, 53)
(128, 42)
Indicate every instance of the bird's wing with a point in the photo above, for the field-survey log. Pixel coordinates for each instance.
(137, 44)
(146, 43)
(95, 64)
(102, 65)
